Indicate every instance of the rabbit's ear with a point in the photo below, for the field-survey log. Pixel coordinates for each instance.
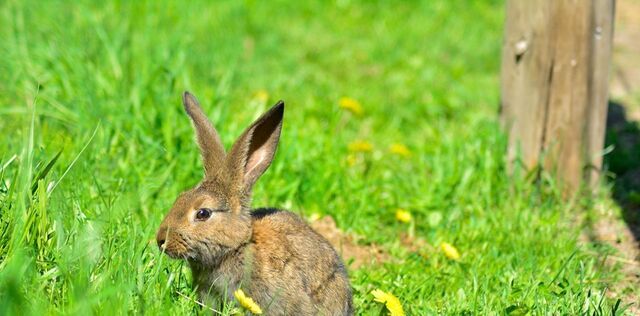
(253, 152)
(213, 155)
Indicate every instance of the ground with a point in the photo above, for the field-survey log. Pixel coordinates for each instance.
(390, 107)
(616, 223)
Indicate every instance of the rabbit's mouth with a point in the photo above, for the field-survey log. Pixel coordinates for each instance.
(175, 254)
(205, 253)
(176, 248)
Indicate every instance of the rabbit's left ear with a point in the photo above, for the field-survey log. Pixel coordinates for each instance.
(213, 155)
(253, 152)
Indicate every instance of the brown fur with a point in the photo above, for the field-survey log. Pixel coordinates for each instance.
(273, 255)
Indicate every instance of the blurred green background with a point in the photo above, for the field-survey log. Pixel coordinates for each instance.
(101, 82)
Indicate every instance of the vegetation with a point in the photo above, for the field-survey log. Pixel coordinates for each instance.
(389, 106)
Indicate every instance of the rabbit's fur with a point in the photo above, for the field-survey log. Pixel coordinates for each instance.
(272, 255)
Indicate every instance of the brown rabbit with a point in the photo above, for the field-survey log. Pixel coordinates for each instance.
(272, 255)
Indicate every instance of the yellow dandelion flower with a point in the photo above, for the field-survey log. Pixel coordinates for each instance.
(262, 95)
(314, 216)
(450, 251)
(247, 302)
(360, 146)
(351, 105)
(403, 215)
(400, 150)
(390, 301)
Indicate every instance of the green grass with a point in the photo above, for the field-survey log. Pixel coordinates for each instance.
(101, 83)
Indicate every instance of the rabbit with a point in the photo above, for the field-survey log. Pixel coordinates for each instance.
(271, 254)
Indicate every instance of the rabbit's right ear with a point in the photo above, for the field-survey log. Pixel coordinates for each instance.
(213, 154)
(253, 152)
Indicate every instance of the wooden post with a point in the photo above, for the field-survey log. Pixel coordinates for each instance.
(554, 85)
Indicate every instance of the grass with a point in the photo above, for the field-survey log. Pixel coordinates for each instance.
(99, 83)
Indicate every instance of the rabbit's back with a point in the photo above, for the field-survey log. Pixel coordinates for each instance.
(295, 270)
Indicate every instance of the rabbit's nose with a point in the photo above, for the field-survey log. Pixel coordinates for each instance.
(161, 237)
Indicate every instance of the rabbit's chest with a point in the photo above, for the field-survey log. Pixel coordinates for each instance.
(216, 283)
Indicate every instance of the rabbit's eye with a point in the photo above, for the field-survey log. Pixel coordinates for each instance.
(203, 214)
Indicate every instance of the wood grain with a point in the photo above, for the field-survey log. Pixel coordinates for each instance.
(554, 83)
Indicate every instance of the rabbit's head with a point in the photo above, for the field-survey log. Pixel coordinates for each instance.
(214, 217)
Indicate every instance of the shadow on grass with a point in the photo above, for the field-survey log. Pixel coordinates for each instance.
(624, 163)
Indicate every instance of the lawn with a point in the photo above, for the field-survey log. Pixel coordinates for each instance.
(96, 147)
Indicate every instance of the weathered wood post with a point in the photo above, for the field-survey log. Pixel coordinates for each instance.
(554, 85)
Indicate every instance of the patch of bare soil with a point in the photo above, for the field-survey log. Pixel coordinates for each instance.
(348, 245)
(612, 231)
(416, 244)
